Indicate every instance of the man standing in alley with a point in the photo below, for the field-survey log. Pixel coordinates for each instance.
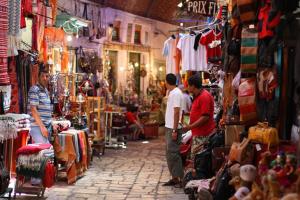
(172, 133)
(202, 122)
(39, 105)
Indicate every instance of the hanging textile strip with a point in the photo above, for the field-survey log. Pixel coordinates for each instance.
(4, 78)
(249, 51)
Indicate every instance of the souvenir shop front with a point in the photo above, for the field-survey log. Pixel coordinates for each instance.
(30, 43)
(247, 57)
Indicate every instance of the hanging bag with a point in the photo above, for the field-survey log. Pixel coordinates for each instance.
(86, 32)
(247, 10)
(83, 62)
(242, 153)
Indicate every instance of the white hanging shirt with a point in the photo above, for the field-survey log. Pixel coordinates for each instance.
(192, 60)
(169, 51)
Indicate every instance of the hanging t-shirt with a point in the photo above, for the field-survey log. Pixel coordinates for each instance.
(207, 40)
(192, 60)
(169, 51)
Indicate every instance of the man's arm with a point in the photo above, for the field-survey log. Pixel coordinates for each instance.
(200, 122)
(176, 118)
(38, 120)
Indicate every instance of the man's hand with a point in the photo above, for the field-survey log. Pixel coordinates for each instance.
(174, 136)
(186, 128)
(44, 131)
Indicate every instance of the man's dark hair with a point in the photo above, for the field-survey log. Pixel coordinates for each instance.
(132, 108)
(171, 79)
(42, 69)
(195, 81)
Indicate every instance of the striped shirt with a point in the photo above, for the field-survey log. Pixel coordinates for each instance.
(39, 96)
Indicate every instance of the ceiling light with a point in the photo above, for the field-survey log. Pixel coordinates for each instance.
(160, 69)
(181, 24)
(136, 64)
(180, 5)
(69, 38)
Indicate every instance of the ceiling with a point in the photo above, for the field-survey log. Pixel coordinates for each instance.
(162, 10)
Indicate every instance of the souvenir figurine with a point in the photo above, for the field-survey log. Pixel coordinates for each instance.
(264, 163)
(243, 184)
(274, 192)
(278, 163)
(255, 194)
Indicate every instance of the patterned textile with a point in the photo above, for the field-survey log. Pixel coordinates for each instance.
(4, 78)
(14, 15)
(249, 51)
(197, 144)
(14, 107)
(65, 150)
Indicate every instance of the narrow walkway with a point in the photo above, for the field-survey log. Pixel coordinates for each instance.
(133, 173)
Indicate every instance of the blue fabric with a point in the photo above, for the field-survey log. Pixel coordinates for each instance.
(76, 142)
(37, 135)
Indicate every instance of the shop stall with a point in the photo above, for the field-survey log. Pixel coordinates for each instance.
(250, 59)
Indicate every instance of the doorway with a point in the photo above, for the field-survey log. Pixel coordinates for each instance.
(135, 64)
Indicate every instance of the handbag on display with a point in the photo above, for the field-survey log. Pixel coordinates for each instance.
(219, 157)
(242, 153)
(83, 62)
(247, 10)
(267, 83)
(4, 178)
(233, 114)
(264, 134)
(247, 101)
(232, 133)
(86, 31)
(249, 51)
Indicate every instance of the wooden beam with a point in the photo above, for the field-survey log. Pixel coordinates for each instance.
(150, 6)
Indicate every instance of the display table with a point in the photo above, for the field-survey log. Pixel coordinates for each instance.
(71, 149)
(109, 141)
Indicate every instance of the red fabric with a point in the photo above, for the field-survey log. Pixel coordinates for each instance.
(20, 141)
(203, 105)
(266, 24)
(208, 38)
(49, 177)
(32, 149)
(130, 117)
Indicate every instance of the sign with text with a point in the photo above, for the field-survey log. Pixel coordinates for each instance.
(204, 7)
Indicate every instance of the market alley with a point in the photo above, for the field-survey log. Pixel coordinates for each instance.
(134, 173)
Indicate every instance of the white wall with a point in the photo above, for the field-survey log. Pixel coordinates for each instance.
(158, 32)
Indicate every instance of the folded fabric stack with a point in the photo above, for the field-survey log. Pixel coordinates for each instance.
(8, 129)
(34, 160)
(22, 121)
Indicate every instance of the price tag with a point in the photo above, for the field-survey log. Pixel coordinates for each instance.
(258, 147)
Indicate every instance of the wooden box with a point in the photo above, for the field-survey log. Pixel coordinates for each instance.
(151, 130)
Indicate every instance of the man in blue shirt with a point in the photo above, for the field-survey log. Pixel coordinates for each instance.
(39, 106)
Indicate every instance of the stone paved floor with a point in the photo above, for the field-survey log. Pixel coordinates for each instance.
(133, 173)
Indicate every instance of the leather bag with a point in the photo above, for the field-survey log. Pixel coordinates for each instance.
(219, 157)
(242, 153)
(247, 10)
(264, 134)
(232, 133)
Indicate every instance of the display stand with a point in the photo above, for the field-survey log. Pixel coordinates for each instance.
(26, 187)
(111, 142)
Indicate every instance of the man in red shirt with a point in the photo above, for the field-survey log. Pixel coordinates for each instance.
(202, 122)
(134, 122)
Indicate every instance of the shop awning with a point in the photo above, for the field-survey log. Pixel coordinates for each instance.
(70, 24)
